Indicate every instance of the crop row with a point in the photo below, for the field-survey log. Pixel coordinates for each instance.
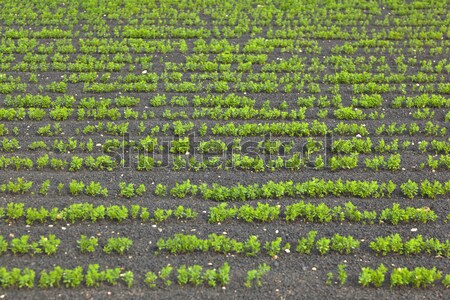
(94, 277)
(179, 128)
(88, 212)
(310, 188)
(241, 18)
(274, 76)
(237, 162)
(70, 278)
(220, 147)
(50, 244)
(419, 277)
(315, 187)
(320, 213)
(266, 112)
(224, 101)
(181, 243)
(154, 39)
(222, 86)
(239, 63)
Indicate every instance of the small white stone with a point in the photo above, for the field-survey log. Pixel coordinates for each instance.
(287, 250)
(144, 72)
(413, 229)
(224, 232)
(98, 145)
(276, 231)
(63, 228)
(51, 225)
(314, 268)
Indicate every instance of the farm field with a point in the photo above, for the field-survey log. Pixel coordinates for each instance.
(201, 149)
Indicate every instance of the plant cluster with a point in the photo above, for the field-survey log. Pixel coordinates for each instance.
(193, 274)
(419, 277)
(181, 243)
(88, 212)
(417, 245)
(256, 275)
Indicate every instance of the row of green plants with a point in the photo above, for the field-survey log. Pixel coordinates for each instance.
(315, 187)
(255, 50)
(419, 277)
(76, 163)
(69, 278)
(320, 213)
(194, 275)
(50, 244)
(238, 162)
(226, 81)
(310, 188)
(309, 212)
(215, 101)
(218, 113)
(22, 245)
(94, 276)
(150, 144)
(305, 129)
(182, 243)
(77, 212)
(417, 245)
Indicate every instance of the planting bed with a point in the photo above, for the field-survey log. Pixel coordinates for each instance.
(232, 149)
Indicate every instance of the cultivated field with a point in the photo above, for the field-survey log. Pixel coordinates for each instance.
(205, 149)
